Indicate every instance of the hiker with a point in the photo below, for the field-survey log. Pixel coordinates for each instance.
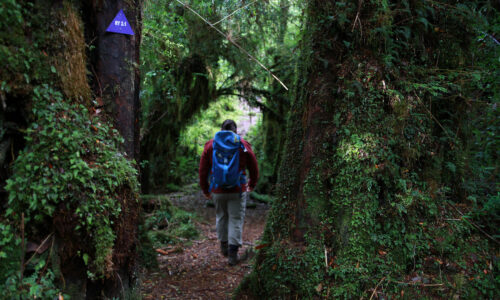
(225, 181)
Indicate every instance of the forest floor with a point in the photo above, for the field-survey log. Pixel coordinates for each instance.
(196, 269)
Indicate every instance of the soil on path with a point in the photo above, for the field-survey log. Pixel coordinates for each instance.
(200, 271)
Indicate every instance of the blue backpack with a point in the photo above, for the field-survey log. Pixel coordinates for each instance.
(226, 161)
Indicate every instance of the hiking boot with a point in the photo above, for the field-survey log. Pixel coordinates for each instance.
(233, 255)
(224, 248)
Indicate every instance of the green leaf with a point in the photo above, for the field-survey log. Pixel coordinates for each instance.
(451, 166)
(85, 258)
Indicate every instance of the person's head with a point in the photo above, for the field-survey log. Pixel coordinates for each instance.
(229, 125)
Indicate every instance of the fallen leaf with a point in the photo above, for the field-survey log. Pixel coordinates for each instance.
(382, 252)
(261, 246)
(161, 251)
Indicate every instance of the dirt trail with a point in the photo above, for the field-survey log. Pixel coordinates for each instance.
(249, 118)
(200, 271)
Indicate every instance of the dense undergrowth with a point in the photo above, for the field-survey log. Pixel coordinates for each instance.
(164, 226)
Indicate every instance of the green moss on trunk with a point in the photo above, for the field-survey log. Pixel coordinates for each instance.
(371, 161)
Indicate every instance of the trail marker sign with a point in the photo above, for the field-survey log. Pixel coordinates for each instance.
(120, 24)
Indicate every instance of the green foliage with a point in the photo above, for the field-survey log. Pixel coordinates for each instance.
(170, 226)
(257, 139)
(10, 255)
(188, 65)
(262, 197)
(205, 124)
(291, 271)
(483, 129)
(15, 52)
(165, 225)
(71, 164)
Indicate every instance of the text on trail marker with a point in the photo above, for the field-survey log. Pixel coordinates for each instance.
(120, 24)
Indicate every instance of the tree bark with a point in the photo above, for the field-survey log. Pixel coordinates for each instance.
(117, 69)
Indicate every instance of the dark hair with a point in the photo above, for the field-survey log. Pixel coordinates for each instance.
(229, 125)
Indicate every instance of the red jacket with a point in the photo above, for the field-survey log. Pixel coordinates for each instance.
(247, 161)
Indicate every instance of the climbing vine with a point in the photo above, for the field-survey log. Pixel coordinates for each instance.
(71, 169)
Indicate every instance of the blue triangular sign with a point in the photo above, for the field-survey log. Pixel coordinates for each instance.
(120, 24)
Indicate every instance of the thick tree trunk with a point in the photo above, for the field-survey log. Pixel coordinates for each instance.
(116, 63)
(358, 176)
(117, 69)
(116, 83)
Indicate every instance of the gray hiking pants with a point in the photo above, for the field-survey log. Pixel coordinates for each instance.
(230, 213)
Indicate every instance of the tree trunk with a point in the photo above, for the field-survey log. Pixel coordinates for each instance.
(116, 64)
(358, 176)
(116, 82)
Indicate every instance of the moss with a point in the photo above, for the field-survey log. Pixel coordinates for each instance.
(293, 271)
(69, 59)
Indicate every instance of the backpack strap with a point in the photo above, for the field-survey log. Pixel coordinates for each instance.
(213, 185)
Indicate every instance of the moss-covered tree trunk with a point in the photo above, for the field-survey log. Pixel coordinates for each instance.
(73, 187)
(363, 188)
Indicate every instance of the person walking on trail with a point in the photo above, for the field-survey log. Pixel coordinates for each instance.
(223, 166)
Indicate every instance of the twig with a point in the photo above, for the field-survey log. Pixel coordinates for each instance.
(46, 263)
(375, 290)
(243, 7)
(326, 259)
(492, 37)
(98, 81)
(39, 247)
(234, 43)
(473, 224)
(360, 2)
(423, 284)
(121, 283)
(434, 118)
(22, 248)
